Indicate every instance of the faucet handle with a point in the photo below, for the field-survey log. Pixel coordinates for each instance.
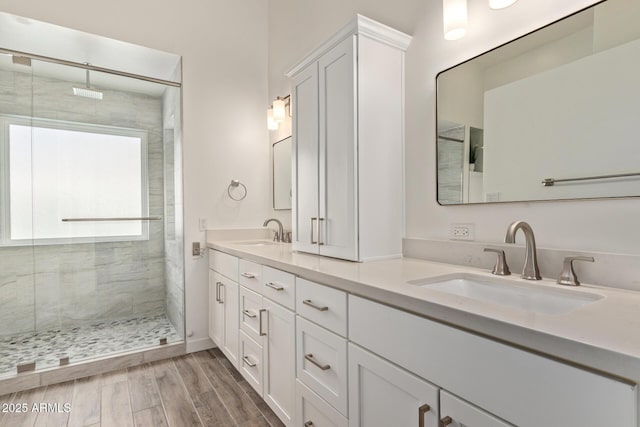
(568, 276)
(501, 268)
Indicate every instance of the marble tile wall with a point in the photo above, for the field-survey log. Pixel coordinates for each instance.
(57, 286)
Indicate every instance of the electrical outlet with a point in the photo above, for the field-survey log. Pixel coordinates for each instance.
(202, 224)
(462, 231)
(196, 250)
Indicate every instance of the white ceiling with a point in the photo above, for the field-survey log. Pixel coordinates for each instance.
(41, 38)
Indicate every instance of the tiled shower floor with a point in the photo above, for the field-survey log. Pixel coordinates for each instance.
(85, 342)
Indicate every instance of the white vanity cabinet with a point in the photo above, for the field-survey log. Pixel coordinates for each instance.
(348, 130)
(223, 303)
(516, 386)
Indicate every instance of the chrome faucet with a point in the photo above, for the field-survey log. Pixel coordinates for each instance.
(279, 236)
(530, 270)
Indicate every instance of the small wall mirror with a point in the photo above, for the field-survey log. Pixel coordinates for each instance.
(552, 115)
(282, 174)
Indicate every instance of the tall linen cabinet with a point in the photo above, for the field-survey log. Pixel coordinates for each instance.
(348, 143)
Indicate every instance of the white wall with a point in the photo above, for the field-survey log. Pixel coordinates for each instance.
(224, 49)
(296, 26)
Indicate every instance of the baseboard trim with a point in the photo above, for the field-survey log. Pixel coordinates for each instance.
(199, 344)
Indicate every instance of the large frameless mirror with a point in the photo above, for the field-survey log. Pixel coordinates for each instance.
(549, 116)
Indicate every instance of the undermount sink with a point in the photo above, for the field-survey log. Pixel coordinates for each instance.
(258, 243)
(532, 297)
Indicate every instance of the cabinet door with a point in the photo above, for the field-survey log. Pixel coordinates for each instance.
(216, 309)
(338, 161)
(229, 293)
(279, 360)
(305, 160)
(382, 394)
(459, 413)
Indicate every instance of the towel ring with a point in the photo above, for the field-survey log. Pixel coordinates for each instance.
(234, 184)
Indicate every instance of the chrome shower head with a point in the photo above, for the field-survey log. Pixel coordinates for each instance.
(87, 91)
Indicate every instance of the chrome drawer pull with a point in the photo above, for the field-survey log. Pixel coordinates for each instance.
(308, 424)
(249, 314)
(274, 286)
(446, 421)
(313, 242)
(317, 307)
(310, 358)
(248, 361)
(219, 286)
(262, 310)
(421, 411)
(248, 275)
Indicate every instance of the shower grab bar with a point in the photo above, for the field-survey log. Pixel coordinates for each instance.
(549, 182)
(132, 218)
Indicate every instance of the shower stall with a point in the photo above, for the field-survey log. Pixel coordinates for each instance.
(91, 238)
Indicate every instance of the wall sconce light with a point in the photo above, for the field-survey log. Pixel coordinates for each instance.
(278, 112)
(271, 123)
(454, 17)
(500, 4)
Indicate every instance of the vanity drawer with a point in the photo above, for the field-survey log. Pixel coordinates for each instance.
(279, 286)
(251, 362)
(225, 264)
(321, 363)
(311, 410)
(250, 274)
(323, 305)
(250, 306)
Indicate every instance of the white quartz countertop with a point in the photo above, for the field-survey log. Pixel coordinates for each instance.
(603, 336)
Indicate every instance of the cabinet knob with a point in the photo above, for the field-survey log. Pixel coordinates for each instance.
(308, 424)
(446, 421)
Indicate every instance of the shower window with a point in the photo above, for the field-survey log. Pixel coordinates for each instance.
(55, 171)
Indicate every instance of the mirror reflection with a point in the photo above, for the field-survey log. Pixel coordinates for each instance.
(549, 116)
(282, 174)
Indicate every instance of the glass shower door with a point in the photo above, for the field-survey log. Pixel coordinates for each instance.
(90, 211)
(17, 281)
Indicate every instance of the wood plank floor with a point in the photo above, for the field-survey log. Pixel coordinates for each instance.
(199, 389)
